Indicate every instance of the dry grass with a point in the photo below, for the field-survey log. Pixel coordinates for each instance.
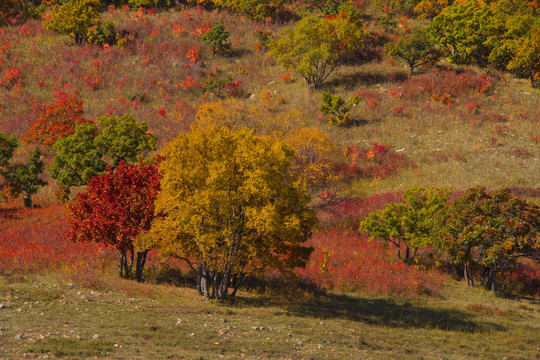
(45, 316)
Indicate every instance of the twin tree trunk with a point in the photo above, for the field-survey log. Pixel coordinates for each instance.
(127, 258)
(409, 254)
(215, 284)
(488, 276)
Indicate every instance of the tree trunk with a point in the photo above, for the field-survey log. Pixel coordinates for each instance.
(223, 286)
(205, 280)
(200, 280)
(141, 260)
(236, 284)
(123, 263)
(467, 274)
(489, 278)
(130, 264)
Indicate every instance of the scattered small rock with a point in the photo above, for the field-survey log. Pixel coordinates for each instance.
(19, 336)
(95, 336)
(192, 334)
(19, 310)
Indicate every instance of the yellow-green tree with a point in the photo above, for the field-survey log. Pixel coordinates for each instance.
(317, 46)
(73, 18)
(231, 206)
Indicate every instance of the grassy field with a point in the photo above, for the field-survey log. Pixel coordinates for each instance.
(45, 317)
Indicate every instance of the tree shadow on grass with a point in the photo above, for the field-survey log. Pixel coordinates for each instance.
(386, 312)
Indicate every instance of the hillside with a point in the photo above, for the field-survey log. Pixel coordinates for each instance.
(372, 199)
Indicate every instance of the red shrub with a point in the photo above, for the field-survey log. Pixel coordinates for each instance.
(347, 261)
(443, 85)
(349, 213)
(376, 161)
(521, 278)
(32, 241)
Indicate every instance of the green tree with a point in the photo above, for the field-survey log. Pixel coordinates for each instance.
(327, 7)
(465, 28)
(316, 46)
(416, 48)
(86, 153)
(526, 55)
(8, 145)
(488, 229)
(217, 37)
(123, 138)
(407, 225)
(231, 207)
(338, 108)
(77, 159)
(24, 179)
(73, 18)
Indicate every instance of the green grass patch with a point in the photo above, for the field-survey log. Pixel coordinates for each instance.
(72, 347)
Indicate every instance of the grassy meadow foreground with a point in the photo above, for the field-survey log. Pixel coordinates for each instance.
(46, 316)
(345, 148)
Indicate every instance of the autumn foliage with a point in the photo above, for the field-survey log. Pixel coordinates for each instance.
(231, 207)
(56, 120)
(375, 161)
(115, 208)
(347, 261)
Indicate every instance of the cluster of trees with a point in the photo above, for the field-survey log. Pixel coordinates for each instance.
(477, 229)
(224, 200)
(503, 34)
(82, 149)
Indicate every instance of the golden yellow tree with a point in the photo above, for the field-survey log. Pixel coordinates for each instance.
(231, 206)
(315, 149)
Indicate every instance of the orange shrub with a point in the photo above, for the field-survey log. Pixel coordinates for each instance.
(56, 120)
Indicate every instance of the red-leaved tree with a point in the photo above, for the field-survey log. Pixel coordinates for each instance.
(115, 208)
(56, 120)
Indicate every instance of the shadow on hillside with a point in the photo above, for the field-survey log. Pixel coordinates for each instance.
(353, 81)
(383, 312)
(10, 213)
